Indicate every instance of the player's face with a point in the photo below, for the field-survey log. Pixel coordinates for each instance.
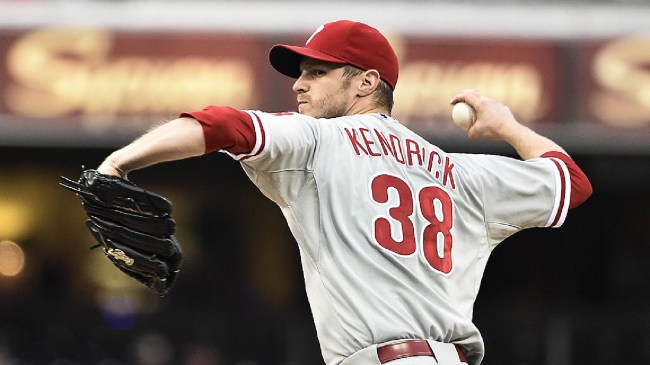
(323, 91)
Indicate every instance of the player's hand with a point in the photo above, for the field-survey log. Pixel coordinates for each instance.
(494, 120)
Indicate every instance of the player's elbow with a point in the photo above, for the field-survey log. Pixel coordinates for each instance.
(581, 189)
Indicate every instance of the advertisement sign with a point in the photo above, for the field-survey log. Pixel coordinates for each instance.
(616, 76)
(93, 81)
(101, 79)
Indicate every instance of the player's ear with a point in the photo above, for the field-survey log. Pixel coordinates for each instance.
(369, 82)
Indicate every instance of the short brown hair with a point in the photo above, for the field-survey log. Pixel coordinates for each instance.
(383, 93)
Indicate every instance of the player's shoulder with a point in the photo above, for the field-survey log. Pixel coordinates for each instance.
(356, 118)
(302, 121)
(368, 118)
(279, 116)
(368, 121)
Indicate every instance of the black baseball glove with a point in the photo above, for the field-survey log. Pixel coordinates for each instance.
(133, 225)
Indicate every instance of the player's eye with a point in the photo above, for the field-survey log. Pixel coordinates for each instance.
(316, 72)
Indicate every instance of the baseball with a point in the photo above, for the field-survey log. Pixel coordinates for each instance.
(463, 115)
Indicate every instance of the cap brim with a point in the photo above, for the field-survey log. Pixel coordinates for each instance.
(286, 59)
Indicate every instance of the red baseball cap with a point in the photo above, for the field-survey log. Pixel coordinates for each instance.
(344, 42)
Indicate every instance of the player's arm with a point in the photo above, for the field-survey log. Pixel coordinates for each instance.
(527, 142)
(193, 134)
(175, 140)
(495, 121)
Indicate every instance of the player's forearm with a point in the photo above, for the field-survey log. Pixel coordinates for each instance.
(175, 140)
(528, 143)
(495, 121)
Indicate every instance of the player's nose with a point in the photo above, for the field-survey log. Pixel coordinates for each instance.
(300, 86)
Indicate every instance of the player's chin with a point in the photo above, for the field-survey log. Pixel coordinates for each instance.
(304, 109)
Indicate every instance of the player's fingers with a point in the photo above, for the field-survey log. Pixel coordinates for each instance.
(107, 168)
(473, 133)
(469, 96)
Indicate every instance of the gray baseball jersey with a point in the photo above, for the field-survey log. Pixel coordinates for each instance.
(394, 233)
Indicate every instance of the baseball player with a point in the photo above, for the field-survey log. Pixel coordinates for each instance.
(394, 233)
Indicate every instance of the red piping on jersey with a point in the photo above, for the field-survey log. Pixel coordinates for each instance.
(261, 135)
(581, 188)
(560, 208)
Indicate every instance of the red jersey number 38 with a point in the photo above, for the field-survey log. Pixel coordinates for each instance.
(434, 205)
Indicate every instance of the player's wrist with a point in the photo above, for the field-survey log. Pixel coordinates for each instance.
(111, 168)
(514, 133)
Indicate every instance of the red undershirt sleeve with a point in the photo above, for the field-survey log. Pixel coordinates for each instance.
(580, 186)
(225, 129)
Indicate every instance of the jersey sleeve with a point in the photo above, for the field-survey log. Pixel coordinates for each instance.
(290, 141)
(580, 185)
(263, 140)
(229, 130)
(523, 194)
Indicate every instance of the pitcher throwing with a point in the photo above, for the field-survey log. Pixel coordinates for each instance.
(394, 233)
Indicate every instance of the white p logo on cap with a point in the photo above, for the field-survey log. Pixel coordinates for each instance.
(316, 32)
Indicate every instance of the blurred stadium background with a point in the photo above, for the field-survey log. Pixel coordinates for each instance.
(81, 78)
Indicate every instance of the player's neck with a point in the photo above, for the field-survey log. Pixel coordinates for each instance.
(366, 105)
(371, 111)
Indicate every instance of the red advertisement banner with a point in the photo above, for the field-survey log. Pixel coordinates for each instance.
(98, 80)
(616, 80)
